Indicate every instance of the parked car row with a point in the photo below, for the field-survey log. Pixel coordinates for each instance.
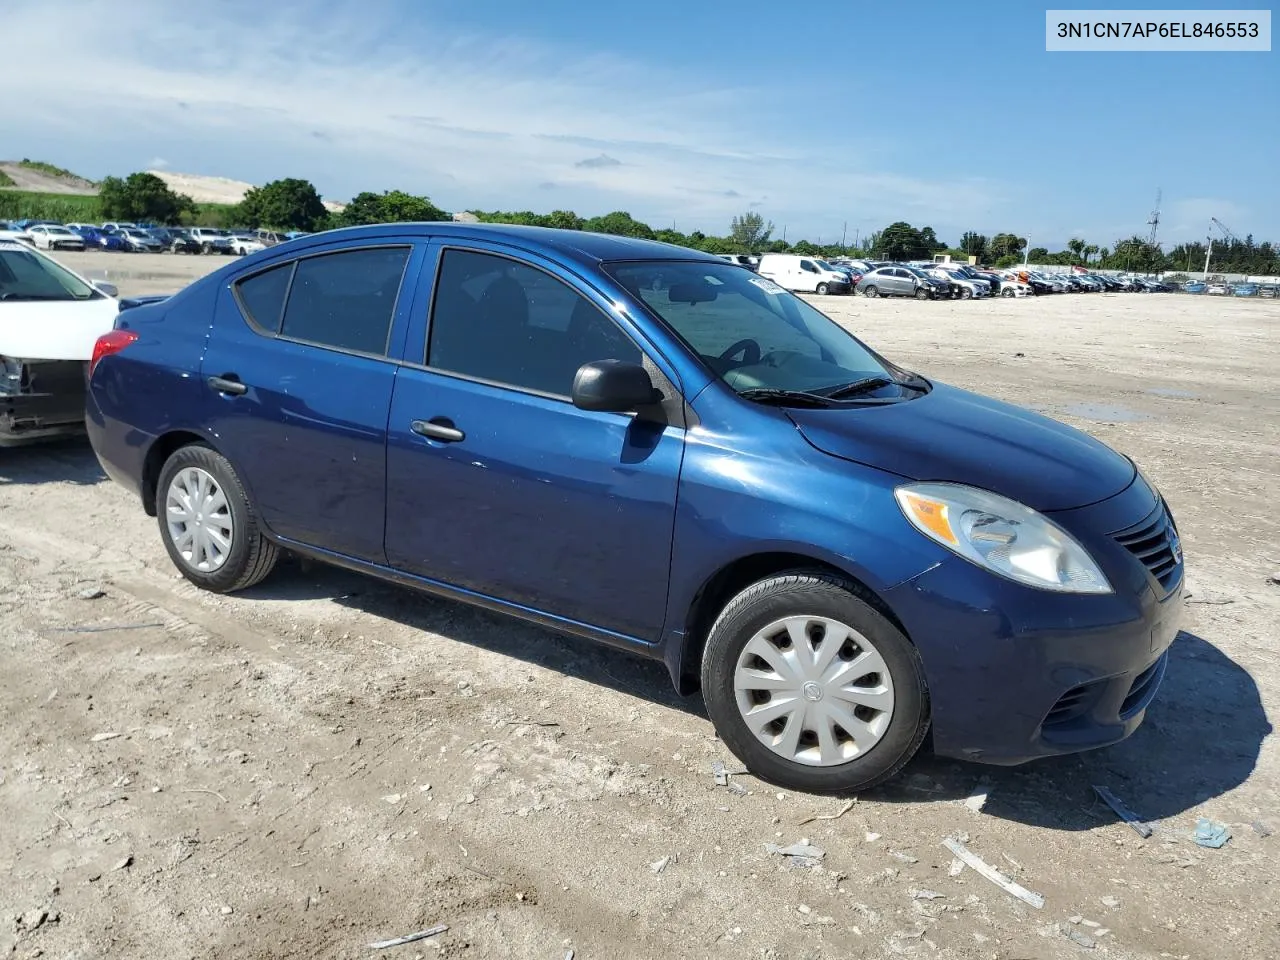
(127, 237)
(831, 571)
(1221, 288)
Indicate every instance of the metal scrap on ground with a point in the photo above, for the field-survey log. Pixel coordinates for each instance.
(848, 805)
(1123, 812)
(800, 851)
(408, 938)
(992, 874)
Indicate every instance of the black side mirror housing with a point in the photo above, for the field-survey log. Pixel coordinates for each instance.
(614, 386)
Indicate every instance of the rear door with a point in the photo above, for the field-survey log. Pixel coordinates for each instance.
(298, 383)
(496, 482)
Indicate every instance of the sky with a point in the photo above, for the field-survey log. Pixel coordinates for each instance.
(830, 120)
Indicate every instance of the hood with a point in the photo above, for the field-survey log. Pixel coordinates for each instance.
(954, 435)
(54, 330)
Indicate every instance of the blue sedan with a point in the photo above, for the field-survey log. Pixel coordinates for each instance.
(665, 453)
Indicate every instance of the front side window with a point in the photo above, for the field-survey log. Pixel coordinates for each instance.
(807, 266)
(748, 330)
(503, 321)
(345, 300)
(25, 275)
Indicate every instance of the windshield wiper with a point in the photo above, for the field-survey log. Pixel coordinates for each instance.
(784, 397)
(865, 385)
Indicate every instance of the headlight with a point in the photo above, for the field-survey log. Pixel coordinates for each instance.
(1001, 535)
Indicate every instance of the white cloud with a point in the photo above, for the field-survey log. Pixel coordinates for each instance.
(258, 91)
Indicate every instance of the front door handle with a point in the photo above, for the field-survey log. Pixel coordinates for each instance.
(224, 385)
(437, 429)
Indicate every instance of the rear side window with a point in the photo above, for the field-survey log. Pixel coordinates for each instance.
(262, 296)
(345, 300)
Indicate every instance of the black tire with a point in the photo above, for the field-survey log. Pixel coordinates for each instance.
(1007, 293)
(822, 290)
(922, 293)
(252, 556)
(871, 292)
(815, 593)
(206, 248)
(966, 294)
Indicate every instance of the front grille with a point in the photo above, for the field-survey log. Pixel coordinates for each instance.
(1153, 541)
(1144, 687)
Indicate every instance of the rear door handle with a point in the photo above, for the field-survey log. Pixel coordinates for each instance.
(224, 385)
(438, 429)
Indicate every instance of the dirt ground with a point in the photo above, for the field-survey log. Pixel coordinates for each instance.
(326, 761)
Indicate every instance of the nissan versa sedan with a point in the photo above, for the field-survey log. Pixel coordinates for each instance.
(649, 447)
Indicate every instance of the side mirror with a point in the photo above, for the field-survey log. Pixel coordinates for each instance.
(110, 289)
(615, 386)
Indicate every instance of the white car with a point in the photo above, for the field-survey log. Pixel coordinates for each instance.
(9, 231)
(52, 237)
(970, 287)
(244, 244)
(1016, 288)
(803, 274)
(50, 320)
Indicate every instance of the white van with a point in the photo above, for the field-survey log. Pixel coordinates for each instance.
(803, 274)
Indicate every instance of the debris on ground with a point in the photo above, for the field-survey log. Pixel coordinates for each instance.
(848, 805)
(994, 875)
(737, 789)
(802, 851)
(127, 861)
(1123, 812)
(956, 868)
(927, 895)
(872, 837)
(1111, 902)
(722, 777)
(978, 798)
(91, 593)
(904, 857)
(1076, 937)
(659, 865)
(1210, 833)
(1261, 829)
(100, 737)
(409, 938)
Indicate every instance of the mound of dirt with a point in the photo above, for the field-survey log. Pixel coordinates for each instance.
(204, 189)
(26, 178)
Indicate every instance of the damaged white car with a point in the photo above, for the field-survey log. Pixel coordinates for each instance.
(50, 320)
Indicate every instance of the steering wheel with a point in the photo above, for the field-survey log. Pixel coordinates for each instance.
(749, 349)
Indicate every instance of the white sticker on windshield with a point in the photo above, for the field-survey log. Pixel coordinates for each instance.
(767, 285)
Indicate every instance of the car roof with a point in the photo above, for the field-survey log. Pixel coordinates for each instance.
(580, 246)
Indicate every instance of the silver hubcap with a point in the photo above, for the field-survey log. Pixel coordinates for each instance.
(199, 519)
(814, 691)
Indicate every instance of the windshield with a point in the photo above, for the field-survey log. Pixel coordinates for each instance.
(25, 275)
(826, 266)
(751, 332)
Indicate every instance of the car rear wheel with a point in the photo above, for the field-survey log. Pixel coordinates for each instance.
(871, 292)
(208, 525)
(922, 294)
(811, 687)
(823, 289)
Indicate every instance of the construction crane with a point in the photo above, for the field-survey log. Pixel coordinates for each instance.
(1226, 232)
(1154, 222)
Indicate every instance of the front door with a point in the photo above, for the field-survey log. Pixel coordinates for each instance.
(497, 484)
(298, 385)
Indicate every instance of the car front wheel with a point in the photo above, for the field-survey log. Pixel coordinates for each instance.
(811, 687)
(871, 292)
(209, 527)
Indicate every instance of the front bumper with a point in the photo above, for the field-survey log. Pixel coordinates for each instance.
(51, 406)
(1016, 673)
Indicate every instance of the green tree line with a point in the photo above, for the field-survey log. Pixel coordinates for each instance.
(295, 204)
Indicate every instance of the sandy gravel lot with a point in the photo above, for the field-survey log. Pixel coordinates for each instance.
(326, 761)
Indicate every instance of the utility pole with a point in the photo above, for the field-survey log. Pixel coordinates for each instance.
(844, 232)
(1027, 252)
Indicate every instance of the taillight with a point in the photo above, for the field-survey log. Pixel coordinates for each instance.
(110, 343)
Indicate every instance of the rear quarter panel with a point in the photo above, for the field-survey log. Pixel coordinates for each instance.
(153, 386)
